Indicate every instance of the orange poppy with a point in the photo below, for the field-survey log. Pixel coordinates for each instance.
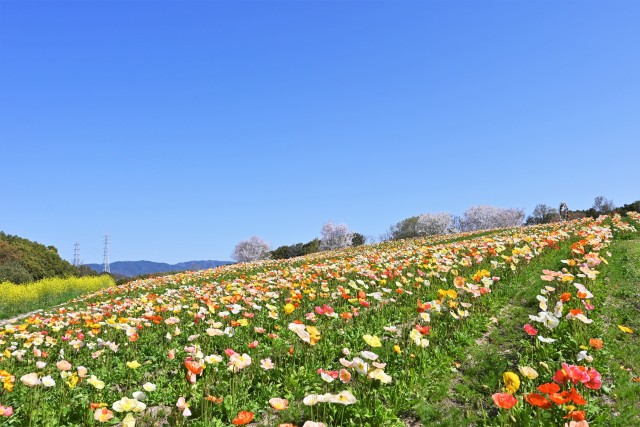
(566, 296)
(577, 399)
(538, 400)
(193, 367)
(596, 343)
(244, 417)
(346, 315)
(560, 398)
(549, 388)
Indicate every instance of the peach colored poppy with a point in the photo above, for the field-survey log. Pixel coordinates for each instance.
(576, 415)
(504, 400)
(279, 404)
(103, 415)
(63, 365)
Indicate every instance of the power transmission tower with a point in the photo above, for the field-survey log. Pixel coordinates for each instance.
(105, 261)
(76, 255)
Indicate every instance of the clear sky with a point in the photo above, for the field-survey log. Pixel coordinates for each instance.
(182, 127)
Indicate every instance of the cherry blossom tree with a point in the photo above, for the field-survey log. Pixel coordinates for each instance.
(486, 217)
(430, 224)
(251, 250)
(335, 236)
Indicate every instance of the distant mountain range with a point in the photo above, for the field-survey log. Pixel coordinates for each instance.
(136, 268)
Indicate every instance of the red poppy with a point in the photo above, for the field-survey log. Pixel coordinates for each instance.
(575, 374)
(538, 400)
(560, 377)
(504, 400)
(422, 307)
(530, 330)
(595, 379)
(244, 417)
(424, 330)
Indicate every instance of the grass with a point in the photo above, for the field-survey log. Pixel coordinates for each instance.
(622, 350)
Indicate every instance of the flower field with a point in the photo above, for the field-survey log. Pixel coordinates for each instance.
(358, 337)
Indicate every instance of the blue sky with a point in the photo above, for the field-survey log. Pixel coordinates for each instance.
(182, 127)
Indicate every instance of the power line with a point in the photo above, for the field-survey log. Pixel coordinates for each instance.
(76, 255)
(105, 261)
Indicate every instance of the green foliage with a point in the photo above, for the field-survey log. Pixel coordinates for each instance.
(280, 253)
(22, 261)
(358, 239)
(629, 207)
(85, 270)
(543, 214)
(405, 229)
(311, 247)
(298, 249)
(13, 271)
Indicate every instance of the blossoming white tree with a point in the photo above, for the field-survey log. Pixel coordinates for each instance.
(251, 250)
(426, 224)
(487, 217)
(335, 236)
(430, 224)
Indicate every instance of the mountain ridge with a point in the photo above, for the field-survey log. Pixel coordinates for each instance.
(136, 268)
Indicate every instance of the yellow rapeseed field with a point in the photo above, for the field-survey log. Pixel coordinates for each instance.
(16, 299)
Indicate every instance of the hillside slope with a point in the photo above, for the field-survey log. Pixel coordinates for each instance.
(23, 261)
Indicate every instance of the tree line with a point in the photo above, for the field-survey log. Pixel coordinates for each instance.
(475, 218)
(332, 236)
(24, 261)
